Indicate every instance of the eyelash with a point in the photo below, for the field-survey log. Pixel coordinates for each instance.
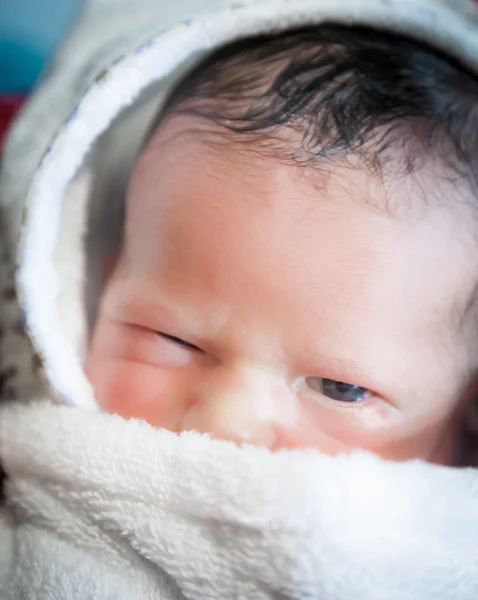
(179, 341)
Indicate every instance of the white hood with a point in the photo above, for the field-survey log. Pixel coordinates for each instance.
(346, 528)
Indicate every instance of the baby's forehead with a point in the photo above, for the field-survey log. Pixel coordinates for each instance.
(193, 150)
(393, 186)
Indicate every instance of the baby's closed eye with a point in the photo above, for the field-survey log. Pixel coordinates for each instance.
(179, 341)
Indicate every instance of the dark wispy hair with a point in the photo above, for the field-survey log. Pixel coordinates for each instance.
(345, 91)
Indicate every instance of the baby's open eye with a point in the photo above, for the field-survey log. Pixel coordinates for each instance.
(337, 390)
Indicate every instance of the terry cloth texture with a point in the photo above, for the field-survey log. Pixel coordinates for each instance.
(125, 511)
(100, 508)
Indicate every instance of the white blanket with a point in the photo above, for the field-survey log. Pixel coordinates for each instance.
(109, 509)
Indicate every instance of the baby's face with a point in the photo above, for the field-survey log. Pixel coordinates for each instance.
(263, 303)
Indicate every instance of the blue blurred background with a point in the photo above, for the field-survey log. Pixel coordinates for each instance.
(29, 32)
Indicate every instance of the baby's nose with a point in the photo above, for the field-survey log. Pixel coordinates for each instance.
(242, 405)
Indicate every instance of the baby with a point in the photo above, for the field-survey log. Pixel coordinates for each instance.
(299, 257)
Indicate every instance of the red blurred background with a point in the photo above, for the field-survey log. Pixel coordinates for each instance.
(9, 105)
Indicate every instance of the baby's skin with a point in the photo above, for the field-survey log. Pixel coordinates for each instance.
(269, 303)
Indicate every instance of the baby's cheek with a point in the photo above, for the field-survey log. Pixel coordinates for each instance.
(134, 390)
(333, 430)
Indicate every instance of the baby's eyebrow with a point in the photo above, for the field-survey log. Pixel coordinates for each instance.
(159, 311)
